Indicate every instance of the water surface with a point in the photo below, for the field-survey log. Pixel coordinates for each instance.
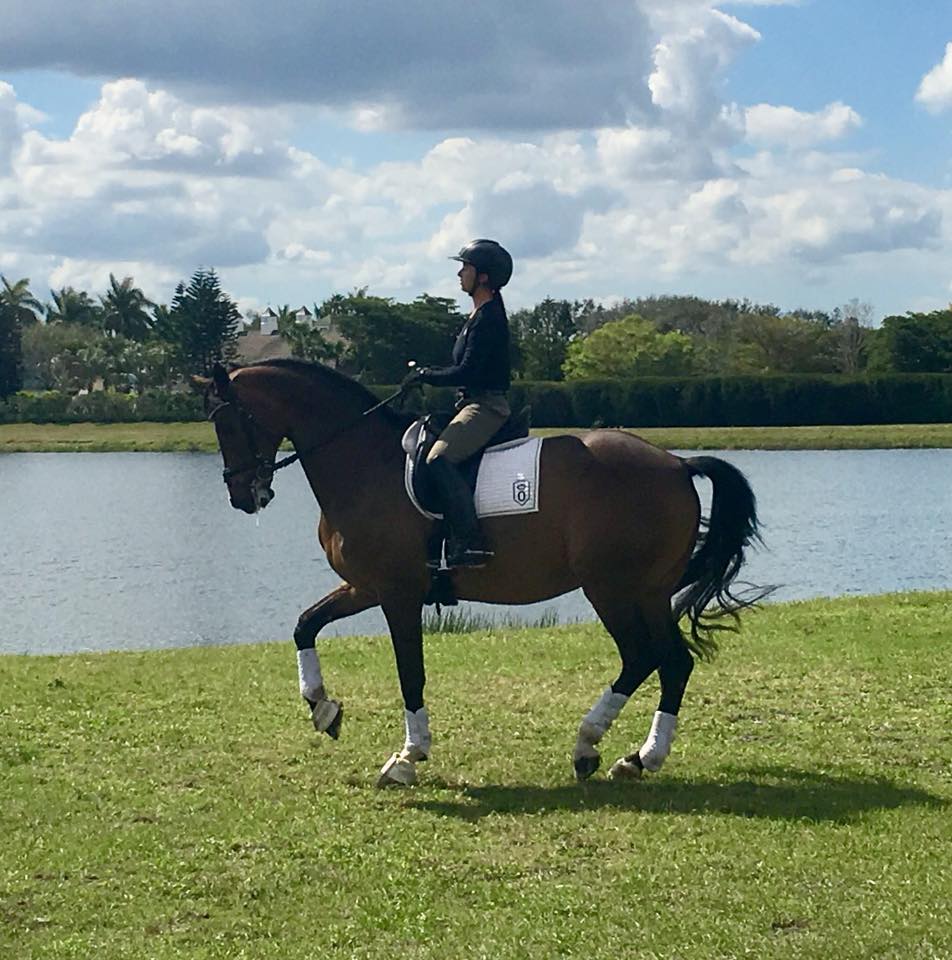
(142, 550)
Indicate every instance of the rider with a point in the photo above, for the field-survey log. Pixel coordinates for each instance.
(480, 369)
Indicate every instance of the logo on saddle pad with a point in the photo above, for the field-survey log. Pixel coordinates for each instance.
(522, 491)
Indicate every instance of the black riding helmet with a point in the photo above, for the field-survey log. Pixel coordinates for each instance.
(490, 258)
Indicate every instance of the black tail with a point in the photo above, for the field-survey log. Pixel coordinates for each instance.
(719, 555)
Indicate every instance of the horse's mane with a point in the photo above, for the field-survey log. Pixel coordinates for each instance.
(339, 383)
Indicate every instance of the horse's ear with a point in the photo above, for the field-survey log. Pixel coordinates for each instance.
(199, 384)
(221, 378)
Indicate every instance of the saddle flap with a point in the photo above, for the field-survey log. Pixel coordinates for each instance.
(411, 437)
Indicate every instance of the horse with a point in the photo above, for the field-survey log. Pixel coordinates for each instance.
(617, 517)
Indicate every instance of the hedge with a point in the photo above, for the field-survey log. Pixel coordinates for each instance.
(732, 401)
(649, 402)
(105, 406)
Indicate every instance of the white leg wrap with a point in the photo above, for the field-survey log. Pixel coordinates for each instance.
(657, 746)
(401, 767)
(310, 681)
(604, 713)
(417, 744)
(596, 722)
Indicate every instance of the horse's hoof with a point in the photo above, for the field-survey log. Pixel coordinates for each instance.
(326, 715)
(398, 771)
(585, 766)
(333, 731)
(627, 768)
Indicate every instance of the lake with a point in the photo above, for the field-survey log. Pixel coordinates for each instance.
(138, 551)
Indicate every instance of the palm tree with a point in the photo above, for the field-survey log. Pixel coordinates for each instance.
(72, 306)
(125, 309)
(18, 299)
(286, 320)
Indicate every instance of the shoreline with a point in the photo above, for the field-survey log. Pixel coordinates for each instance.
(475, 625)
(200, 437)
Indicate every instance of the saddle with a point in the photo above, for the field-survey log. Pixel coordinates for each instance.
(420, 442)
(417, 443)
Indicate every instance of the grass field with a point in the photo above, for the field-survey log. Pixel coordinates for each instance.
(177, 437)
(178, 804)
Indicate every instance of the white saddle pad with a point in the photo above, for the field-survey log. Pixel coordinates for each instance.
(508, 479)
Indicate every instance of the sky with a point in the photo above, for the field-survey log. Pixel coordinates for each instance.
(797, 153)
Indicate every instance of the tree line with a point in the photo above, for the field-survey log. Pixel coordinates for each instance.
(121, 339)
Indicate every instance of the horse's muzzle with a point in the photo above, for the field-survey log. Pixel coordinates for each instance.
(251, 499)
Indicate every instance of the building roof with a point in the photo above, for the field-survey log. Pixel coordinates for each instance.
(253, 347)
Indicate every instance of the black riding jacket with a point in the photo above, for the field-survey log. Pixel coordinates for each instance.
(480, 354)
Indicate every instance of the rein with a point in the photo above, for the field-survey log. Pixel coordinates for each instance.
(265, 468)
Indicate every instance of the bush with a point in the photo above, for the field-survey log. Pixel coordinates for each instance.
(47, 406)
(102, 406)
(164, 407)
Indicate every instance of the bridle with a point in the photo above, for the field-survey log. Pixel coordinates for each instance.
(265, 468)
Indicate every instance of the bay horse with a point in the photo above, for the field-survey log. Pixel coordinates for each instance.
(618, 517)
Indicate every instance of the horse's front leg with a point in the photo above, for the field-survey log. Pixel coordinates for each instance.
(404, 617)
(345, 601)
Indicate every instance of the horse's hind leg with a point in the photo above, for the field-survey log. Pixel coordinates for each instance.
(345, 601)
(675, 665)
(625, 621)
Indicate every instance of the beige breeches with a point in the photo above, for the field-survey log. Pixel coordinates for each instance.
(471, 428)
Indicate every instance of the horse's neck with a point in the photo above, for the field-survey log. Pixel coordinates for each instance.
(345, 455)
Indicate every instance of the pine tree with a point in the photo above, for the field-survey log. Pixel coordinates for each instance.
(202, 322)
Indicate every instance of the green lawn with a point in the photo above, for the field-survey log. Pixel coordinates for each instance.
(178, 804)
(100, 437)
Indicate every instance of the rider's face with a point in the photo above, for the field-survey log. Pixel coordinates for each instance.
(467, 278)
(470, 280)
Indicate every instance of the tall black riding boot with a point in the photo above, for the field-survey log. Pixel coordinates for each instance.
(466, 546)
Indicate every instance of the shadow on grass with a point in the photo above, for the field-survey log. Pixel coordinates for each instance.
(772, 793)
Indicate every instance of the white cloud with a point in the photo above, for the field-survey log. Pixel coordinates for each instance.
(786, 127)
(536, 219)
(93, 275)
(15, 119)
(581, 214)
(686, 63)
(637, 153)
(9, 127)
(935, 90)
(144, 178)
(133, 126)
(817, 213)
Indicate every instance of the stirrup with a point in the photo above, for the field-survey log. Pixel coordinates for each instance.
(468, 557)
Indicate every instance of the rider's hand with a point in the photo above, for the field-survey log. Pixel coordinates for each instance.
(416, 375)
